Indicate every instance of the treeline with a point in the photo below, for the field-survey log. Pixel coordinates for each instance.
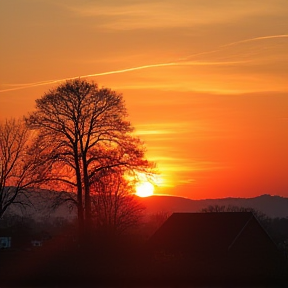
(147, 224)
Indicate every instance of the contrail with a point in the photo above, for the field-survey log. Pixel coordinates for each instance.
(232, 44)
(41, 83)
(254, 39)
(179, 61)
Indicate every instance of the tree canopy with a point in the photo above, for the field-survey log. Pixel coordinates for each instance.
(83, 131)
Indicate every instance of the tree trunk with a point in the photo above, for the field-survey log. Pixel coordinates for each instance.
(81, 223)
(87, 197)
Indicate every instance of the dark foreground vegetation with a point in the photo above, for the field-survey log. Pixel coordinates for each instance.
(111, 264)
(124, 261)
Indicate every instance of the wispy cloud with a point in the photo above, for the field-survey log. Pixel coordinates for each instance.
(130, 15)
(178, 62)
(171, 128)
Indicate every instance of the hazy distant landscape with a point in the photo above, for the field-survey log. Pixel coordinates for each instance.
(272, 206)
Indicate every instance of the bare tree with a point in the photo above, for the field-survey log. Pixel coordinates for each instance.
(115, 207)
(84, 130)
(19, 164)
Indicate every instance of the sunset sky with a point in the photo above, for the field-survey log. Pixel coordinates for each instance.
(205, 82)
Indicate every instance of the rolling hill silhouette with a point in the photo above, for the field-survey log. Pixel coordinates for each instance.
(41, 203)
(272, 206)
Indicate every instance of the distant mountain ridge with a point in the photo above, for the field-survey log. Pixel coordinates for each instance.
(272, 206)
(42, 203)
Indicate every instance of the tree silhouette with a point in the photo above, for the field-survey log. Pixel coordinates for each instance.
(83, 130)
(19, 164)
(263, 218)
(115, 207)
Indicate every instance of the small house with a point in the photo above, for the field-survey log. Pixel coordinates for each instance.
(36, 243)
(227, 246)
(5, 242)
(39, 238)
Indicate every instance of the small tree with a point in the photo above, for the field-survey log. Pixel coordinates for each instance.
(19, 164)
(115, 207)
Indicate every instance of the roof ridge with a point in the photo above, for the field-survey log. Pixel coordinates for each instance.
(238, 235)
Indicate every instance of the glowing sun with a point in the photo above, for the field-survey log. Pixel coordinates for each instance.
(144, 189)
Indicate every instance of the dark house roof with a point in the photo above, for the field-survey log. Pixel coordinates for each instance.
(198, 232)
(227, 244)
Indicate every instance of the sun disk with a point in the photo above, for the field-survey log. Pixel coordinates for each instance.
(144, 189)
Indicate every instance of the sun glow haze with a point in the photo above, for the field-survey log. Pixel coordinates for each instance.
(144, 189)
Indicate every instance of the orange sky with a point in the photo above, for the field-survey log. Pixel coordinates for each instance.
(208, 95)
